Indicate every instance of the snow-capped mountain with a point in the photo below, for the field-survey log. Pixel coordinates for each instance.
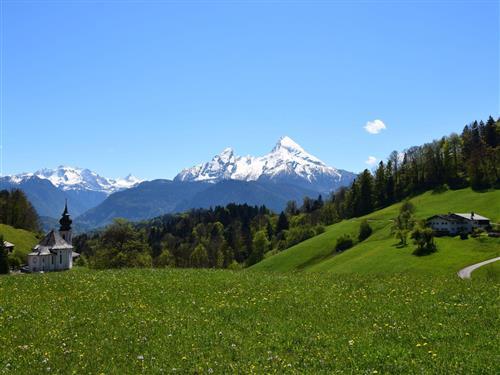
(69, 178)
(287, 162)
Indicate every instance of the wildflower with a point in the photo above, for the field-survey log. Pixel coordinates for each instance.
(351, 342)
(140, 357)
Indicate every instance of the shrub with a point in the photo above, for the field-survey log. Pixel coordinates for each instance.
(165, 259)
(464, 235)
(423, 237)
(234, 266)
(81, 261)
(476, 232)
(299, 234)
(343, 243)
(365, 230)
(318, 229)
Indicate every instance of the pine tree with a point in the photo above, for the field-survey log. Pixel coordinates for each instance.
(379, 190)
(282, 223)
(491, 133)
(365, 204)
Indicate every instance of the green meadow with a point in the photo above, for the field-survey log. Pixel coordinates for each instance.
(22, 239)
(373, 309)
(203, 321)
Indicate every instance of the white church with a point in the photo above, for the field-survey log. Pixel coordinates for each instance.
(54, 252)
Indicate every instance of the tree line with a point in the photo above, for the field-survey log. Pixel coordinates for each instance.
(233, 236)
(17, 211)
(456, 161)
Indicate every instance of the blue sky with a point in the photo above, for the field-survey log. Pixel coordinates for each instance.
(151, 87)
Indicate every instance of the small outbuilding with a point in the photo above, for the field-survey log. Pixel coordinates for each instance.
(8, 246)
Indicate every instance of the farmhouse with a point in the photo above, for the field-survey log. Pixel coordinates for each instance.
(54, 252)
(454, 223)
(8, 246)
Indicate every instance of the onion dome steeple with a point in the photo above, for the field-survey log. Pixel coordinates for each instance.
(65, 219)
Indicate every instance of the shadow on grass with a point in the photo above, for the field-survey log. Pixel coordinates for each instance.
(399, 245)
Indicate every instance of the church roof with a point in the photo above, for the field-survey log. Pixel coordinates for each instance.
(51, 242)
(65, 219)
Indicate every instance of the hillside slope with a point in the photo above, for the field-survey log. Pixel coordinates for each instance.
(22, 239)
(379, 253)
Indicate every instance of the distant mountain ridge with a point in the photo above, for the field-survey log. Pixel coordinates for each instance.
(47, 189)
(74, 178)
(287, 162)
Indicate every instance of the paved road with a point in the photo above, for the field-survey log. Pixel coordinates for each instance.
(465, 272)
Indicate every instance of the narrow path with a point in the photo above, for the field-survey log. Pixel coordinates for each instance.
(465, 272)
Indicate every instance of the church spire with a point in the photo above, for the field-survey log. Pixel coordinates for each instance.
(65, 219)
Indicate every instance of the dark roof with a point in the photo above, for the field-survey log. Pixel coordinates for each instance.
(65, 219)
(449, 217)
(52, 241)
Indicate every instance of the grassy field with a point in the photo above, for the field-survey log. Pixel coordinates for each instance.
(22, 239)
(201, 321)
(379, 253)
(489, 272)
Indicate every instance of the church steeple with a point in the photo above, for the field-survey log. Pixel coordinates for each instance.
(65, 220)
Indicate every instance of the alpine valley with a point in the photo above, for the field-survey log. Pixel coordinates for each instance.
(287, 173)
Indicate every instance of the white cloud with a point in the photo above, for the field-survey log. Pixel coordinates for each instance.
(371, 161)
(375, 127)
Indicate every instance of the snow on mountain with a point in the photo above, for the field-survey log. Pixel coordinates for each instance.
(69, 178)
(287, 162)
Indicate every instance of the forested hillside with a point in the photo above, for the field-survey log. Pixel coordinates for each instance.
(457, 161)
(17, 211)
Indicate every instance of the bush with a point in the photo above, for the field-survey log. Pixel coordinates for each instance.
(165, 259)
(365, 230)
(81, 261)
(234, 266)
(464, 235)
(423, 237)
(476, 232)
(343, 243)
(299, 234)
(14, 262)
(318, 229)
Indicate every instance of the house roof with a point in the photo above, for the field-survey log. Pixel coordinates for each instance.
(468, 216)
(52, 241)
(446, 217)
(8, 244)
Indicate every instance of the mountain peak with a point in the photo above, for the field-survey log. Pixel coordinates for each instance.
(287, 162)
(226, 154)
(287, 143)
